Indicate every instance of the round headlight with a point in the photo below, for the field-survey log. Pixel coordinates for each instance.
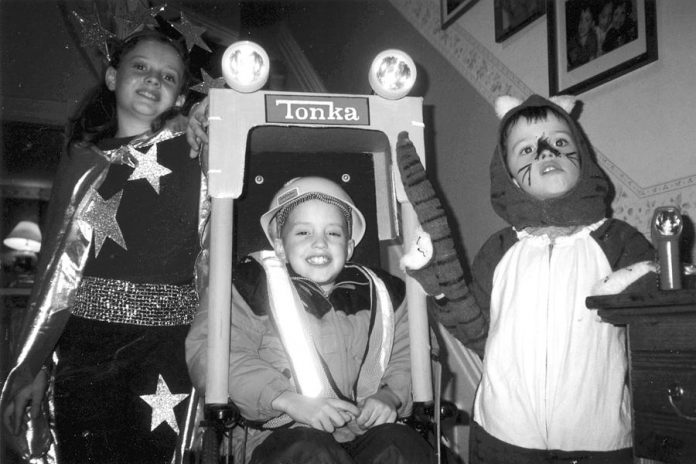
(392, 74)
(667, 221)
(245, 66)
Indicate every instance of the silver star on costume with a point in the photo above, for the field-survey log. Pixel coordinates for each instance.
(148, 167)
(162, 404)
(100, 215)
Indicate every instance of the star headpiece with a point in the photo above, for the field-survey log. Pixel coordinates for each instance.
(94, 33)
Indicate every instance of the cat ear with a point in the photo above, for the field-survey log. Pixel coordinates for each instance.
(505, 103)
(567, 102)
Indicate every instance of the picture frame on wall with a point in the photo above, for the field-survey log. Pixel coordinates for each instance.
(450, 10)
(582, 56)
(511, 16)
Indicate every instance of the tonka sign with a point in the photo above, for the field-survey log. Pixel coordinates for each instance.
(305, 109)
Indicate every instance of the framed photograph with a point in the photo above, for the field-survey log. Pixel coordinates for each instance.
(452, 9)
(594, 41)
(511, 16)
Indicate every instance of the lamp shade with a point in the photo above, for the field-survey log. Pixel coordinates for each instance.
(26, 236)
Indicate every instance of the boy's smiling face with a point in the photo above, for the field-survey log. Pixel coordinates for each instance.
(542, 157)
(315, 241)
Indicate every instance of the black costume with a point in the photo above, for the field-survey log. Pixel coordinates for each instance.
(115, 295)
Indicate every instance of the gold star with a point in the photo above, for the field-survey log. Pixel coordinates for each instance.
(208, 83)
(100, 215)
(148, 167)
(162, 404)
(191, 33)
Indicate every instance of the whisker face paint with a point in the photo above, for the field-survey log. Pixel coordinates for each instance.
(542, 157)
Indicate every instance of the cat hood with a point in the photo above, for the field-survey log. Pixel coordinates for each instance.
(586, 203)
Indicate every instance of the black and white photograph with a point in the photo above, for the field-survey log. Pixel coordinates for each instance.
(347, 232)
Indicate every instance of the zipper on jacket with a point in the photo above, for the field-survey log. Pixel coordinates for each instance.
(546, 353)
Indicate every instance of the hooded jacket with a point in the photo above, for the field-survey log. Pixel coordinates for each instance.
(554, 375)
(342, 320)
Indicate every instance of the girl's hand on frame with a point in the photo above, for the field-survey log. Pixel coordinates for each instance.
(32, 393)
(197, 130)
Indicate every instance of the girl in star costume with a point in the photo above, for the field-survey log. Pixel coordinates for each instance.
(115, 290)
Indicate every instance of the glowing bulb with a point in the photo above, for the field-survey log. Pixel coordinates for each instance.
(392, 74)
(245, 66)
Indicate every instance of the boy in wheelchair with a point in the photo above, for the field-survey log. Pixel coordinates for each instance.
(319, 347)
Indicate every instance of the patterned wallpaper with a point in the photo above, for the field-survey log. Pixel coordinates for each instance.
(634, 203)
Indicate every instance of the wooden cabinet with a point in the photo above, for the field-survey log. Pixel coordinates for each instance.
(662, 354)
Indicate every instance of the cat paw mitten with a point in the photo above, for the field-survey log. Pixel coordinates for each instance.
(621, 279)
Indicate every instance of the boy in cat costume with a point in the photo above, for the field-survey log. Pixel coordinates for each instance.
(554, 376)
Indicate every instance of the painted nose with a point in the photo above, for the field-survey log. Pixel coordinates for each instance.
(544, 150)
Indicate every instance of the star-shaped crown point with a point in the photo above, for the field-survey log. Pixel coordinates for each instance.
(192, 34)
